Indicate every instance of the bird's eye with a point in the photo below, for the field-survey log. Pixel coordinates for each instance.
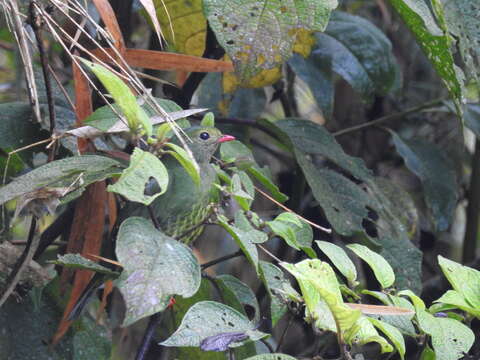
(204, 135)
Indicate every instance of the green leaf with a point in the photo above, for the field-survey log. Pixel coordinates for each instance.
(436, 171)
(104, 118)
(392, 333)
(242, 223)
(428, 354)
(273, 356)
(359, 52)
(77, 261)
(401, 322)
(17, 128)
(25, 326)
(340, 259)
(296, 233)
(450, 338)
(243, 240)
(345, 202)
(417, 302)
(462, 18)
(66, 172)
(243, 198)
(236, 151)
(241, 27)
(91, 342)
(143, 166)
(381, 268)
(155, 268)
(247, 103)
(186, 161)
(364, 332)
(472, 118)
(210, 318)
(434, 42)
(322, 295)
(279, 290)
(123, 96)
(243, 293)
(463, 279)
(452, 297)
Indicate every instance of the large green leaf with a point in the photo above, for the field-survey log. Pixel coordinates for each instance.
(296, 233)
(452, 297)
(345, 202)
(155, 268)
(450, 338)
(74, 171)
(462, 18)
(463, 279)
(206, 319)
(260, 35)
(434, 42)
(359, 52)
(437, 173)
(392, 333)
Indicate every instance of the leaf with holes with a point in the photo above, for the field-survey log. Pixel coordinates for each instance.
(208, 319)
(279, 290)
(434, 42)
(260, 35)
(155, 268)
(244, 295)
(143, 167)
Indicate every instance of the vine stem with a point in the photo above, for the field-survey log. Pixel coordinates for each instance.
(222, 259)
(154, 320)
(385, 118)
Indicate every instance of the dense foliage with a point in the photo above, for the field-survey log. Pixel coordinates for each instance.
(341, 223)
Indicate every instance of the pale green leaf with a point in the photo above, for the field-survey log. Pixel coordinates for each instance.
(210, 318)
(452, 297)
(123, 96)
(340, 259)
(392, 333)
(381, 268)
(155, 268)
(463, 279)
(208, 120)
(143, 166)
(243, 293)
(186, 161)
(77, 261)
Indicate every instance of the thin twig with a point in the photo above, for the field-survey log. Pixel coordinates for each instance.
(269, 253)
(382, 119)
(22, 262)
(473, 209)
(282, 337)
(153, 322)
(36, 21)
(153, 217)
(293, 212)
(222, 259)
(266, 343)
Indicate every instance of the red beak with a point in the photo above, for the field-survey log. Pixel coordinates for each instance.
(225, 138)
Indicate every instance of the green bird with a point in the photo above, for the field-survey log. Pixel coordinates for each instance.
(184, 206)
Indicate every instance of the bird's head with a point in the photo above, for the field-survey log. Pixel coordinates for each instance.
(205, 141)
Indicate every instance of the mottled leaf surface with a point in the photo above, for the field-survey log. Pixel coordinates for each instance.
(210, 318)
(76, 261)
(155, 268)
(260, 34)
(70, 171)
(434, 42)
